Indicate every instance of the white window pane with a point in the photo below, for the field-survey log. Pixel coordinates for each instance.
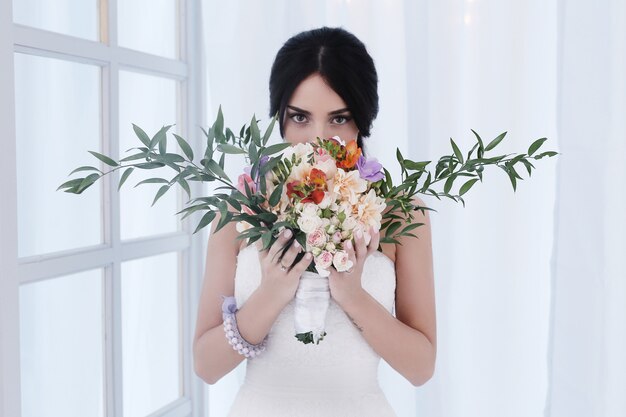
(71, 17)
(150, 334)
(61, 343)
(149, 102)
(154, 32)
(57, 112)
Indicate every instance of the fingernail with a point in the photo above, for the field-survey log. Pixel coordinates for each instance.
(287, 233)
(308, 255)
(349, 244)
(296, 244)
(359, 234)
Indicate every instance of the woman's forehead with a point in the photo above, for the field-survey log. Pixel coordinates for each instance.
(315, 96)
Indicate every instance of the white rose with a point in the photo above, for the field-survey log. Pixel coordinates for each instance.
(309, 223)
(310, 209)
(341, 261)
(330, 246)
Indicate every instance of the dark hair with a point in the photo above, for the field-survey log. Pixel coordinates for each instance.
(343, 62)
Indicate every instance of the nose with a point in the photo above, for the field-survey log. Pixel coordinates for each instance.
(321, 130)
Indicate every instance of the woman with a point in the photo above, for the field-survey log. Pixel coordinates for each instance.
(323, 83)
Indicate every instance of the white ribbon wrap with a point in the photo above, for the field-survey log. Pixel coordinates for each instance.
(312, 299)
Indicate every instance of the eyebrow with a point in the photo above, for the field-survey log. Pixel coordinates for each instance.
(308, 113)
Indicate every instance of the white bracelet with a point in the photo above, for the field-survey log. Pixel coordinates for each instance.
(231, 331)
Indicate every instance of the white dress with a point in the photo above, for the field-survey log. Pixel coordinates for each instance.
(337, 377)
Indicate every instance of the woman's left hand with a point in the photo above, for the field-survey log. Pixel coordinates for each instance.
(346, 285)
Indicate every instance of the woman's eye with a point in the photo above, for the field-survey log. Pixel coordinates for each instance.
(340, 120)
(296, 117)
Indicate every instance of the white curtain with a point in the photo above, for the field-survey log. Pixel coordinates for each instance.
(588, 321)
(516, 336)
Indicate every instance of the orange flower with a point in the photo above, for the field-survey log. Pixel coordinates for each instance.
(316, 197)
(353, 152)
(317, 178)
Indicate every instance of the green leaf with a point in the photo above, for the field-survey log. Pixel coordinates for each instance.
(84, 168)
(392, 228)
(70, 184)
(206, 219)
(228, 148)
(266, 238)
(143, 137)
(87, 181)
(150, 165)
(216, 169)
(270, 150)
(218, 126)
(448, 185)
(269, 129)
(410, 227)
(184, 146)
(528, 166)
(481, 148)
(415, 166)
(399, 156)
(183, 183)
(140, 155)
(547, 153)
(158, 137)
(254, 131)
(160, 193)
(124, 177)
(457, 151)
(104, 159)
(276, 194)
(535, 145)
(465, 187)
(152, 181)
(495, 142)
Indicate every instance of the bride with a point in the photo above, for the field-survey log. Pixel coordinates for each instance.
(323, 83)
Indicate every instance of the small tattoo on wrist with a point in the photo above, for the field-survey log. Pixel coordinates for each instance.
(354, 322)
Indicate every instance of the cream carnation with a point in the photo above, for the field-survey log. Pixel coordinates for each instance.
(369, 210)
(349, 185)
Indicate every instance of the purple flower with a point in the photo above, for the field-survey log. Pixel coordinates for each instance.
(370, 169)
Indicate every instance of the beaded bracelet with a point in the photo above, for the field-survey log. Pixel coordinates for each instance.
(229, 307)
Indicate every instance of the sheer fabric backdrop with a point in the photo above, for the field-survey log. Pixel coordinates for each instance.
(530, 285)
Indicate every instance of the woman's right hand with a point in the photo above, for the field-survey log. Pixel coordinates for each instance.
(280, 276)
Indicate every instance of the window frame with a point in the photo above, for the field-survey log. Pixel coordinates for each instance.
(187, 71)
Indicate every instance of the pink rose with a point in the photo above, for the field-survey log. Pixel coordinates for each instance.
(316, 238)
(342, 261)
(324, 260)
(245, 178)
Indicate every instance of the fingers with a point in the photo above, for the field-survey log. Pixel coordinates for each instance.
(349, 248)
(291, 253)
(360, 246)
(280, 243)
(302, 265)
(374, 241)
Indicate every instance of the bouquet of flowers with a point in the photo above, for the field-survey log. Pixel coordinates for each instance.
(324, 191)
